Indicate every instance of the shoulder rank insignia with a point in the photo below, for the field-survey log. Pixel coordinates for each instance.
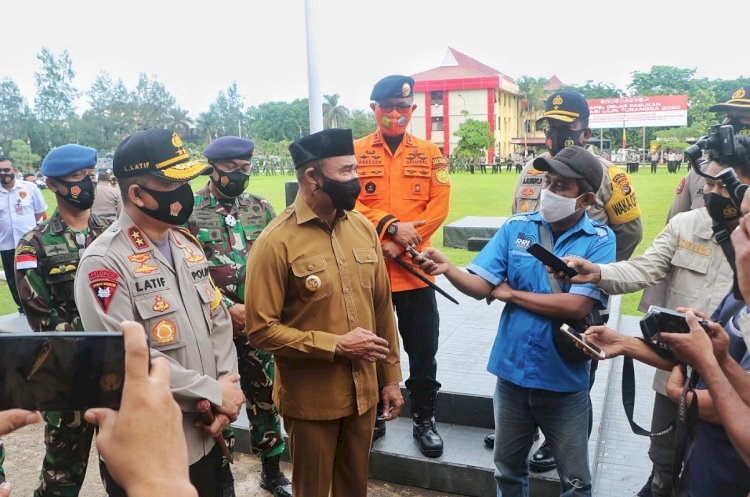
(137, 238)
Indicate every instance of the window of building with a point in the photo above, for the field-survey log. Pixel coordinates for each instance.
(437, 124)
(436, 97)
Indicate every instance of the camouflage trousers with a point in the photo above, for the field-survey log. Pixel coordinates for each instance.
(256, 368)
(67, 441)
(2, 460)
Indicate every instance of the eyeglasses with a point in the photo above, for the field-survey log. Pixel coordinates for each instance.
(401, 109)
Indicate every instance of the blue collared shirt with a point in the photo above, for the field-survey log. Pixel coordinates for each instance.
(524, 352)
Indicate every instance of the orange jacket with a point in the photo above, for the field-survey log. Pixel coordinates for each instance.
(412, 185)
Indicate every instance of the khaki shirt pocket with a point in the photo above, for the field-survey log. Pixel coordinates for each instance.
(158, 314)
(366, 259)
(690, 272)
(417, 182)
(312, 279)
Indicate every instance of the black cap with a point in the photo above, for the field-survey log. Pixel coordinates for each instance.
(155, 151)
(332, 142)
(229, 147)
(396, 85)
(566, 106)
(740, 100)
(574, 162)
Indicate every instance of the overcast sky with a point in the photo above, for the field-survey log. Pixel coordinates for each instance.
(199, 48)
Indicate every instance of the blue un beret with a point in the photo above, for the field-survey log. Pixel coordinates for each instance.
(229, 147)
(395, 85)
(67, 159)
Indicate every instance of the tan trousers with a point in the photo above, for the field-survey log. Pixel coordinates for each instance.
(330, 457)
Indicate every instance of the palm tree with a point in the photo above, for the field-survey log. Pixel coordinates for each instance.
(334, 114)
(534, 95)
(179, 120)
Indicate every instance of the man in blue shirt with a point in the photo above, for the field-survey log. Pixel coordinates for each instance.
(535, 386)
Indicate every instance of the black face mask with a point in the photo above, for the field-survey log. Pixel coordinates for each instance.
(231, 184)
(343, 193)
(559, 138)
(739, 128)
(7, 178)
(175, 206)
(721, 209)
(80, 193)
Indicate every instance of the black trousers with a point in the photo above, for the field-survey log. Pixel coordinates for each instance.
(205, 475)
(419, 326)
(9, 267)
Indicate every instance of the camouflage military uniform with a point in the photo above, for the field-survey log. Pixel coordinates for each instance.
(2, 461)
(46, 262)
(226, 237)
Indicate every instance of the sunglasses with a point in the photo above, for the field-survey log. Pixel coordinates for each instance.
(401, 109)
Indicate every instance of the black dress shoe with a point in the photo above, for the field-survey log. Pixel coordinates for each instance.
(379, 431)
(542, 461)
(489, 440)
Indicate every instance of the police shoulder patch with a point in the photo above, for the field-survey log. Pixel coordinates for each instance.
(681, 186)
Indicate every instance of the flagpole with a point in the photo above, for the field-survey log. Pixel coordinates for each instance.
(315, 97)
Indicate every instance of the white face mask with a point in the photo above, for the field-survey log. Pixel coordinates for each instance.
(554, 208)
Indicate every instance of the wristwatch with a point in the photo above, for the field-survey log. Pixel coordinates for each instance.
(392, 229)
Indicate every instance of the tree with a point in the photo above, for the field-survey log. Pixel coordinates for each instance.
(55, 93)
(596, 90)
(110, 116)
(362, 123)
(279, 121)
(225, 116)
(22, 154)
(474, 138)
(534, 96)
(334, 115)
(151, 103)
(14, 112)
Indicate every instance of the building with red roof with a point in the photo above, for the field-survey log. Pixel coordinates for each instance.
(462, 88)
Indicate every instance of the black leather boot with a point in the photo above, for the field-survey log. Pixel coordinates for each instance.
(424, 429)
(273, 479)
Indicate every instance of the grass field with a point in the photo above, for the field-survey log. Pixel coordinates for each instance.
(475, 195)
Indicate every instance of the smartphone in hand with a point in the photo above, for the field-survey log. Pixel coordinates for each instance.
(578, 338)
(61, 371)
(549, 259)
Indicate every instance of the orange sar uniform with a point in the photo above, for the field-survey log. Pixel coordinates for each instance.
(410, 185)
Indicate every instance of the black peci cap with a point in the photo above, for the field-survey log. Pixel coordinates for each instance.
(332, 142)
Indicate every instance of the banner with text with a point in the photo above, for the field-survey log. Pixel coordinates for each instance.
(637, 112)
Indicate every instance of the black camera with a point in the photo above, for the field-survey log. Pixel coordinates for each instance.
(659, 319)
(720, 138)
